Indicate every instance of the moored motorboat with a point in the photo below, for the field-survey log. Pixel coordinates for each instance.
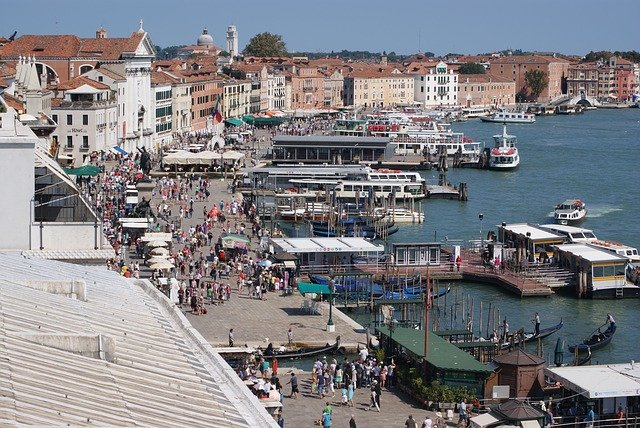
(401, 214)
(504, 155)
(571, 211)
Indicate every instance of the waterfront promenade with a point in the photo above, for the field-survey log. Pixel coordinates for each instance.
(257, 322)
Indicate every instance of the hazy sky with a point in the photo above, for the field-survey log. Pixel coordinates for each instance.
(403, 26)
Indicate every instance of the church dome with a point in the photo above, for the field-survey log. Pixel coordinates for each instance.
(205, 39)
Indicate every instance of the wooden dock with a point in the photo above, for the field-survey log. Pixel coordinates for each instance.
(471, 270)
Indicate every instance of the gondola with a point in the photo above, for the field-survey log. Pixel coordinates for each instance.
(531, 336)
(579, 359)
(414, 293)
(303, 352)
(597, 339)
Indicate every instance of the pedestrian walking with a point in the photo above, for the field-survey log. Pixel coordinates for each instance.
(352, 422)
(410, 422)
(294, 386)
(290, 335)
(462, 410)
(231, 339)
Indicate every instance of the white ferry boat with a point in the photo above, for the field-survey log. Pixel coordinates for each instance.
(475, 112)
(630, 253)
(400, 214)
(574, 235)
(571, 211)
(360, 189)
(421, 143)
(504, 156)
(504, 116)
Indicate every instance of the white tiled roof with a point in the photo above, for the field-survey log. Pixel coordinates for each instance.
(98, 255)
(160, 371)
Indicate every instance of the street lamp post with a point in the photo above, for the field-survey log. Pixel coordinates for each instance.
(330, 326)
(481, 217)
(392, 327)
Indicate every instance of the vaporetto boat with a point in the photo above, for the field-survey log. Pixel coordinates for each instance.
(504, 116)
(504, 155)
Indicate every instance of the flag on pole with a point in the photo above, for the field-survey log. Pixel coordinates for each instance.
(217, 115)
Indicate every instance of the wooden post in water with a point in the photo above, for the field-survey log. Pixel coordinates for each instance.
(480, 320)
(427, 300)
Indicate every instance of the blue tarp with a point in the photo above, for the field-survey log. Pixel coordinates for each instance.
(120, 150)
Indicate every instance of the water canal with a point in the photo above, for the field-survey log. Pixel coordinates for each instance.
(593, 157)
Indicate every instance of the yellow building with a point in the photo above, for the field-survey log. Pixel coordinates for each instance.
(485, 90)
(378, 87)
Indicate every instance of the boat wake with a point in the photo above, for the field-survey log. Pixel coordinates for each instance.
(595, 212)
(601, 211)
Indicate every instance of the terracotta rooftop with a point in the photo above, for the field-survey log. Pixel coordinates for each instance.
(527, 59)
(7, 69)
(71, 46)
(161, 77)
(110, 73)
(13, 102)
(80, 81)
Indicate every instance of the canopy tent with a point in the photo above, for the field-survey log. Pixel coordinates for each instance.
(119, 150)
(232, 155)
(157, 259)
(159, 251)
(248, 118)
(235, 240)
(269, 121)
(309, 287)
(234, 122)
(183, 157)
(84, 170)
(163, 265)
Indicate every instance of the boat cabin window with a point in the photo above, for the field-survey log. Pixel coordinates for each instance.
(348, 187)
(608, 270)
(386, 188)
(589, 235)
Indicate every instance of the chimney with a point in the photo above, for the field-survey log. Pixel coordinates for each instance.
(101, 33)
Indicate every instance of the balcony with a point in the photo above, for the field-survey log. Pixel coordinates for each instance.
(86, 105)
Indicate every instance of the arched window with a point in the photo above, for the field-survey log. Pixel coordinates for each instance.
(85, 68)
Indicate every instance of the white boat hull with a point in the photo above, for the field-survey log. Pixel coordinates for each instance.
(503, 120)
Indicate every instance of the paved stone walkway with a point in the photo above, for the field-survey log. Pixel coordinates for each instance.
(256, 322)
(394, 409)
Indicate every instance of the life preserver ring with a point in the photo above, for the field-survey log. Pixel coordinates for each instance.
(359, 128)
(386, 128)
(292, 190)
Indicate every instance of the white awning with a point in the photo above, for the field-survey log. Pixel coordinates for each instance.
(599, 381)
(530, 424)
(483, 420)
(289, 264)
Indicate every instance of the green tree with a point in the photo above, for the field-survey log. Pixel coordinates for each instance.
(471, 68)
(265, 44)
(537, 81)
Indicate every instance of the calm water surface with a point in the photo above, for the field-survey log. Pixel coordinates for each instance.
(594, 157)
